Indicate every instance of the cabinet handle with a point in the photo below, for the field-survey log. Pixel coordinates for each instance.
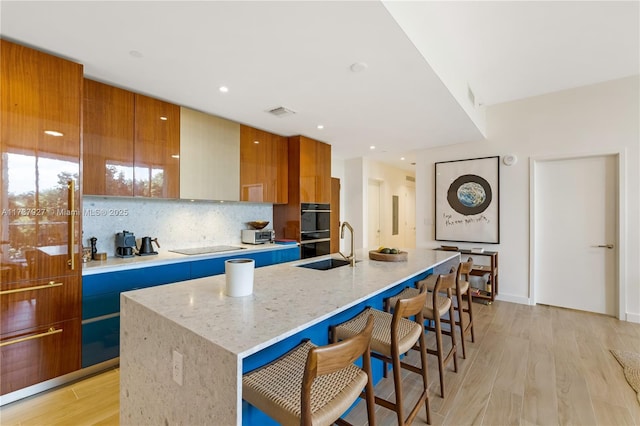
(38, 287)
(71, 185)
(51, 331)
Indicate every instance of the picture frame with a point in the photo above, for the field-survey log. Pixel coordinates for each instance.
(467, 200)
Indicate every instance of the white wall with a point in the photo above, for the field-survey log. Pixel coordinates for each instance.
(357, 172)
(588, 120)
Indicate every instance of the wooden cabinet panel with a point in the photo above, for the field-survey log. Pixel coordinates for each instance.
(28, 305)
(108, 133)
(315, 170)
(40, 93)
(263, 166)
(40, 122)
(209, 157)
(38, 354)
(156, 148)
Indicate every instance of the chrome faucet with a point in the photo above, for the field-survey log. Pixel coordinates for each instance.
(352, 257)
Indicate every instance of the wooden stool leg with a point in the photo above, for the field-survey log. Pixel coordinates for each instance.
(425, 381)
(454, 349)
(439, 353)
(462, 324)
(397, 383)
(470, 312)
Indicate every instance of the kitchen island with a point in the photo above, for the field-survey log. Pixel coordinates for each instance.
(185, 346)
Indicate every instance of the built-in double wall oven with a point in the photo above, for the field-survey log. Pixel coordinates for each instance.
(315, 233)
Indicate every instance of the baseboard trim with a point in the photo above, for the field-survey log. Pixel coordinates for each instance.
(57, 381)
(633, 317)
(513, 299)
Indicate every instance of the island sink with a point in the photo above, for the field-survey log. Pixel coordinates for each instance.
(326, 264)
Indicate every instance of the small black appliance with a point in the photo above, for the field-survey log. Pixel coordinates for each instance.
(125, 244)
(146, 248)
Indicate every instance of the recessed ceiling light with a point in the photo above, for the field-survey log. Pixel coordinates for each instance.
(135, 54)
(320, 126)
(163, 118)
(372, 147)
(53, 133)
(401, 158)
(223, 89)
(359, 67)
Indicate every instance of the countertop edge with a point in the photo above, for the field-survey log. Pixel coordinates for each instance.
(114, 264)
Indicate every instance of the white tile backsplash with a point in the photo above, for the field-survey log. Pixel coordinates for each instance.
(176, 223)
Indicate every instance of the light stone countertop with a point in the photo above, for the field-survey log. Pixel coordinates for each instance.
(165, 257)
(285, 300)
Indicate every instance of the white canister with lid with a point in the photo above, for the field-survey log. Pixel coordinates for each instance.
(239, 277)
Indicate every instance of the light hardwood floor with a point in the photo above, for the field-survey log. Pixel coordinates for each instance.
(530, 365)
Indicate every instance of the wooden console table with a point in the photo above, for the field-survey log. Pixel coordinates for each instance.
(488, 293)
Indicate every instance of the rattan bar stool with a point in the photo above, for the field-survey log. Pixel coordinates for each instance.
(464, 319)
(314, 385)
(436, 307)
(393, 335)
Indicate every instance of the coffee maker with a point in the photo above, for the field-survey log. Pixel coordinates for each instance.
(125, 244)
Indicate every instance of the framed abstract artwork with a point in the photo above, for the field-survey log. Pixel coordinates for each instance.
(467, 205)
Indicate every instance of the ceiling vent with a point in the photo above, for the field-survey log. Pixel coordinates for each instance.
(281, 111)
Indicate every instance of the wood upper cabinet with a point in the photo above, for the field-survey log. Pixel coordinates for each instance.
(315, 170)
(264, 171)
(156, 149)
(209, 157)
(108, 133)
(131, 144)
(40, 122)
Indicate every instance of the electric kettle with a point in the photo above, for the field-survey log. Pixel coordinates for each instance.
(146, 248)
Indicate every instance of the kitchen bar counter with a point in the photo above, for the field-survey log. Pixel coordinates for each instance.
(165, 257)
(207, 336)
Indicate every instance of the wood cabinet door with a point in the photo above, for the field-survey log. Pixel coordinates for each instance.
(38, 354)
(40, 146)
(156, 148)
(315, 171)
(32, 304)
(263, 166)
(107, 143)
(323, 169)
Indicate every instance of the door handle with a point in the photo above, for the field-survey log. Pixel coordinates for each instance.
(607, 246)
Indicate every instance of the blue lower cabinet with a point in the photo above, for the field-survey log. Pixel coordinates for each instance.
(209, 267)
(101, 296)
(100, 340)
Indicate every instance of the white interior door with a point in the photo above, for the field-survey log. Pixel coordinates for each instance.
(410, 217)
(575, 233)
(374, 214)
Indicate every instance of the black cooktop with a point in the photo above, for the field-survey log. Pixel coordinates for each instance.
(206, 250)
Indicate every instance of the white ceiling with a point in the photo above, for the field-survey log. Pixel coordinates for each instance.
(422, 57)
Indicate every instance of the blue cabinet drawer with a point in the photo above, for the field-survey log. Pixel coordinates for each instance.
(100, 341)
(133, 279)
(100, 304)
